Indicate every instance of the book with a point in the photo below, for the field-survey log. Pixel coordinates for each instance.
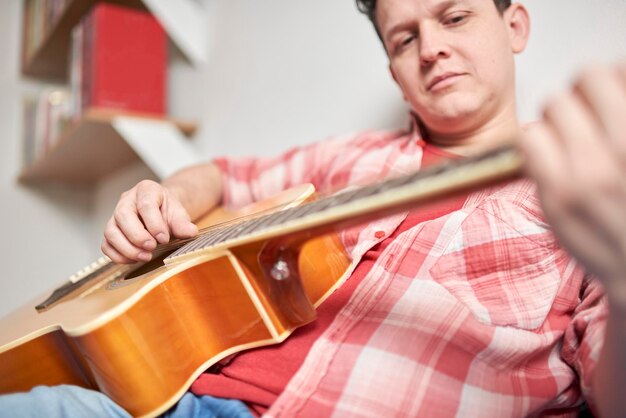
(46, 115)
(123, 60)
(40, 17)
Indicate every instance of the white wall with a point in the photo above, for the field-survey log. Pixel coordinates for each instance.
(280, 73)
(42, 230)
(285, 72)
(566, 35)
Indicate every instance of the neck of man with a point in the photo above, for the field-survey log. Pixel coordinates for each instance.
(478, 137)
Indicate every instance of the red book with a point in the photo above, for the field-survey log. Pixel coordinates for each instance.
(124, 60)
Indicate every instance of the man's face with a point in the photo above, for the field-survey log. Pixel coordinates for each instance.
(453, 60)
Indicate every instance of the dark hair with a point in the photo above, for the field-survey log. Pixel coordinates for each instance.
(368, 7)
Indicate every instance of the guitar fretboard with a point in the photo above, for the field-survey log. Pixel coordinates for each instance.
(357, 205)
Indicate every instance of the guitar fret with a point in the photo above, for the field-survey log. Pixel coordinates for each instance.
(304, 210)
(372, 190)
(260, 223)
(205, 241)
(215, 237)
(347, 196)
(322, 204)
(272, 219)
(249, 226)
(199, 242)
(193, 245)
(232, 232)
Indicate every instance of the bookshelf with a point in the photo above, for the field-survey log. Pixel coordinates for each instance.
(88, 150)
(48, 58)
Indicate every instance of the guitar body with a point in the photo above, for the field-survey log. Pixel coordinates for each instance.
(143, 336)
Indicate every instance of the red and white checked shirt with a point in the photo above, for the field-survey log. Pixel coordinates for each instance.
(477, 313)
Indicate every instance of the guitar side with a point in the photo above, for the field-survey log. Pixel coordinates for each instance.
(142, 341)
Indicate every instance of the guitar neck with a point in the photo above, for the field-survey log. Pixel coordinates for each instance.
(359, 205)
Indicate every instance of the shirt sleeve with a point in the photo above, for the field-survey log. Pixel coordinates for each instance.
(250, 179)
(584, 336)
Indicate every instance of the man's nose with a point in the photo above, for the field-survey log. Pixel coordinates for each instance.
(432, 46)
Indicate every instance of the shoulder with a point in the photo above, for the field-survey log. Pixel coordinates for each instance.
(367, 139)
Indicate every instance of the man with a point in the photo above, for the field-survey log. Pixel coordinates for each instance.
(468, 307)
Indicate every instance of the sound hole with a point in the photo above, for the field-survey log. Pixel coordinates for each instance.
(143, 268)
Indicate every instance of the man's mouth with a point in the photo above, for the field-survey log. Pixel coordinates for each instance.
(443, 80)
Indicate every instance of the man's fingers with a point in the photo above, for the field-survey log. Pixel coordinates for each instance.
(604, 89)
(621, 72)
(544, 156)
(573, 218)
(589, 165)
(178, 219)
(127, 220)
(580, 235)
(118, 241)
(138, 215)
(147, 201)
(152, 219)
(145, 215)
(577, 156)
(115, 256)
(573, 123)
(185, 229)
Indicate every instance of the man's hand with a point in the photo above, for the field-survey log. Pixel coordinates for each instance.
(145, 215)
(578, 158)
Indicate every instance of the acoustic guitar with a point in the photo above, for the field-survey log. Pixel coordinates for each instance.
(142, 333)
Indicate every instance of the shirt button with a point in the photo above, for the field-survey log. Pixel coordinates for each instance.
(379, 234)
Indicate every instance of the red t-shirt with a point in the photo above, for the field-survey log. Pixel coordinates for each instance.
(258, 376)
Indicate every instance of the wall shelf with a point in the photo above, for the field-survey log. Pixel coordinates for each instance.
(89, 149)
(50, 58)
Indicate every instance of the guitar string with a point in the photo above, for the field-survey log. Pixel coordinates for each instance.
(224, 230)
(261, 219)
(354, 194)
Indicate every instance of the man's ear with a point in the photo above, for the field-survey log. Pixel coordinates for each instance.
(395, 78)
(518, 25)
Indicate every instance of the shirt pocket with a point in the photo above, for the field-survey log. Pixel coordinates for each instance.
(504, 268)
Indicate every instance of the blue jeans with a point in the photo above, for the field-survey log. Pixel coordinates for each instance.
(72, 401)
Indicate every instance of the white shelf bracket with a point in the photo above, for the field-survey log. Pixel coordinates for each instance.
(186, 22)
(160, 144)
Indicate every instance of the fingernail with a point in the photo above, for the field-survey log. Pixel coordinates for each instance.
(144, 256)
(192, 230)
(162, 238)
(149, 245)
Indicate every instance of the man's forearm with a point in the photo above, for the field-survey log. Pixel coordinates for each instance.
(609, 380)
(198, 188)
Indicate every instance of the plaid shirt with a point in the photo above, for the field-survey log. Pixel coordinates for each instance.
(475, 313)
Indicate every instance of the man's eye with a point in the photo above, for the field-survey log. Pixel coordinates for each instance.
(404, 42)
(407, 40)
(455, 19)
